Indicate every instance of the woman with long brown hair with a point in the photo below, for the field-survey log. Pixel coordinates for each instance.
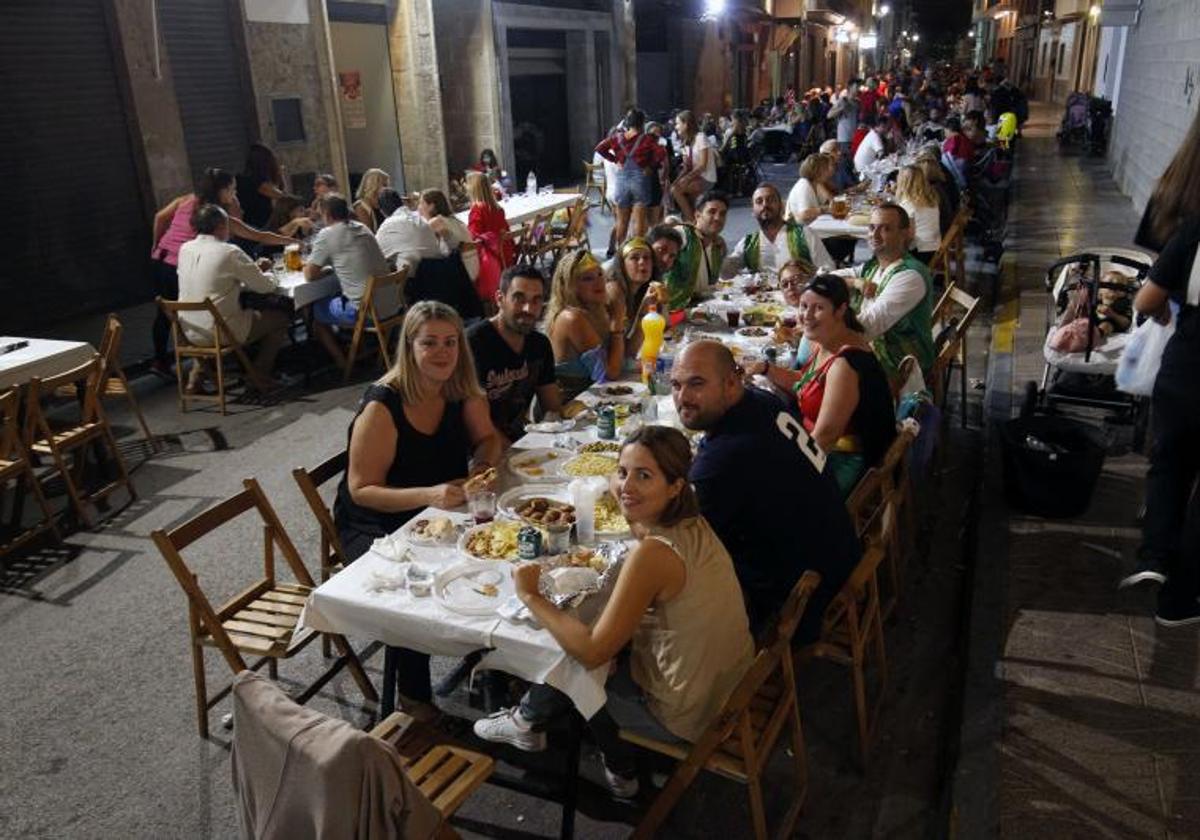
(1170, 550)
(677, 604)
(700, 165)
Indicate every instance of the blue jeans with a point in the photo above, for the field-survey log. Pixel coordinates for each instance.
(625, 709)
(336, 311)
(634, 187)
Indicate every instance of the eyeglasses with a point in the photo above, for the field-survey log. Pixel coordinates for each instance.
(792, 283)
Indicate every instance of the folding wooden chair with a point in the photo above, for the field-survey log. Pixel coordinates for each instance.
(224, 345)
(952, 318)
(594, 181)
(333, 558)
(383, 292)
(740, 741)
(575, 236)
(70, 440)
(444, 771)
(517, 238)
(853, 622)
(950, 259)
(262, 620)
(113, 381)
(15, 466)
(894, 497)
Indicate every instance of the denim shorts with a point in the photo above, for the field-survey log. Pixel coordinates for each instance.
(336, 311)
(633, 187)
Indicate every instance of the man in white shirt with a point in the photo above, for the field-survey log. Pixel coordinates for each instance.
(896, 308)
(775, 242)
(872, 147)
(211, 268)
(349, 249)
(404, 237)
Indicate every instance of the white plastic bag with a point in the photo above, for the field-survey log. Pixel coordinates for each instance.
(1142, 356)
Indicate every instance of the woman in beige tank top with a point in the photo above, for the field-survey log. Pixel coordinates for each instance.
(676, 604)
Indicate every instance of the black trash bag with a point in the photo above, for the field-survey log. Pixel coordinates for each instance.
(1051, 465)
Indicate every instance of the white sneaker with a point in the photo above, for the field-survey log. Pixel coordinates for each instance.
(621, 787)
(508, 727)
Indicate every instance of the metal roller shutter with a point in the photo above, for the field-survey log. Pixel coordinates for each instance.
(207, 66)
(76, 234)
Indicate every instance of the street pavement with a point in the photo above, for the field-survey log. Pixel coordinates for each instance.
(1081, 715)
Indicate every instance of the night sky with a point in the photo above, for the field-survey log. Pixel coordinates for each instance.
(943, 19)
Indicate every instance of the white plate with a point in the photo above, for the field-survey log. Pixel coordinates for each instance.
(510, 499)
(457, 588)
(540, 458)
(600, 391)
(406, 531)
(462, 544)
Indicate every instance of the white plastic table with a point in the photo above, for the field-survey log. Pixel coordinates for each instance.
(825, 225)
(303, 292)
(521, 208)
(41, 358)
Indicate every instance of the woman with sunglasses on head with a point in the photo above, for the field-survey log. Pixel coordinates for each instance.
(676, 605)
(844, 396)
(632, 283)
(587, 334)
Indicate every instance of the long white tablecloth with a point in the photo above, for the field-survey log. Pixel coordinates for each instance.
(41, 358)
(344, 604)
(303, 292)
(826, 225)
(521, 208)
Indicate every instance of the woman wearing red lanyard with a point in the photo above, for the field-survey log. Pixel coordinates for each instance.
(845, 401)
(639, 156)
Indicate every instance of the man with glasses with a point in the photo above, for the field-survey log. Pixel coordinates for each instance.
(895, 293)
(776, 242)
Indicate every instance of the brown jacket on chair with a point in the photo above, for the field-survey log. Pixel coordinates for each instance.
(299, 774)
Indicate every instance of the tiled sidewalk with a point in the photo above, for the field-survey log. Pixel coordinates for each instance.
(1082, 716)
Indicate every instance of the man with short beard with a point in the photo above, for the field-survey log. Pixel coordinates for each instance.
(759, 478)
(514, 362)
(775, 242)
(698, 265)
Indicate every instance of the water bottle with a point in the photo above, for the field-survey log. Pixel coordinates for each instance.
(531, 184)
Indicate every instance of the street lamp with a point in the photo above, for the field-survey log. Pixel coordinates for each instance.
(916, 37)
(714, 8)
(885, 10)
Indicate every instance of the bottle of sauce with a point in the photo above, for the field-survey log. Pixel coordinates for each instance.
(653, 327)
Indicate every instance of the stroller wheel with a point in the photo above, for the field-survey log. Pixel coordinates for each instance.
(1030, 403)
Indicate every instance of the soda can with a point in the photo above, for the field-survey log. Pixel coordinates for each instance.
(529, 543)
(606, 422)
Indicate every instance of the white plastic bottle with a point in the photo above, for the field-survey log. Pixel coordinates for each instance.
(531, 184)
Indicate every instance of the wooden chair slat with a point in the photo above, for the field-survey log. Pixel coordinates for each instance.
(276, 607)
(294, 589)
(252, 628)
(284, 597)
(449, 768)
(272, 619)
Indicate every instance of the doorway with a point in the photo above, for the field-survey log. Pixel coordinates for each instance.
(540, 137)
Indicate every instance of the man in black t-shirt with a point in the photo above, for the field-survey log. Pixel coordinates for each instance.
(761, 484)
(514, 361)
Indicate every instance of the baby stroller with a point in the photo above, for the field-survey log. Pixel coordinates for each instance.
(1085, 335)
(1074, 127)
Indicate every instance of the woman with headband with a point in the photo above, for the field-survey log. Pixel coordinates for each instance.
(588, 335)
(845, 400)
(633, 273)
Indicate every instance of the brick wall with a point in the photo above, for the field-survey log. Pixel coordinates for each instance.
(1153, 109)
